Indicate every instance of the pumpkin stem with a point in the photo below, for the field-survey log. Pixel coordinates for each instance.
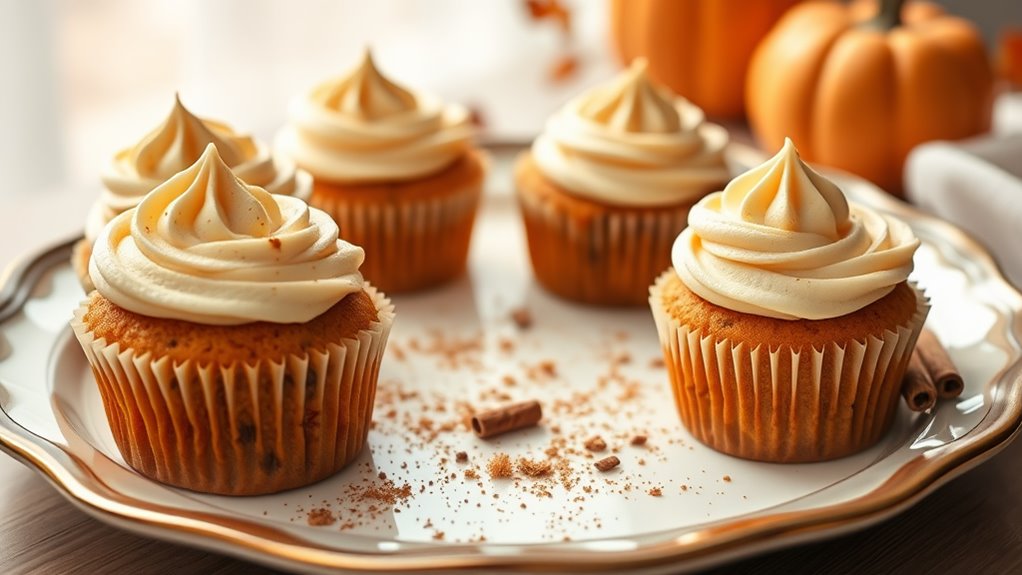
(888, 18)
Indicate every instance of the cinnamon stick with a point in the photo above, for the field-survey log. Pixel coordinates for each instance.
(938, 363)
(508, 418)
(917, 387)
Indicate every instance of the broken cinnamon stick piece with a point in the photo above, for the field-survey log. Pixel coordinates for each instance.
(508, 418)
(938, 363)
(917, 387)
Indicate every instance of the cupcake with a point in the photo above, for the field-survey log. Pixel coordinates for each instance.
(173, 146)
(395, 169)
(235, 344)
(607, 187)
(787, 320)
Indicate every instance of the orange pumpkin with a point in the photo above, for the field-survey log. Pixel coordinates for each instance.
(700, 48)
(857, 88)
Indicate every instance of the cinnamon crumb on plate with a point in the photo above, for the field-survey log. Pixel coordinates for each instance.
(595, 443)
(499, 466)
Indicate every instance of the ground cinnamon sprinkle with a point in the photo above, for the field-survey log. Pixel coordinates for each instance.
(555, 466)
(548, 367)
(596, 443)
(321, 516)
(533, 467)
(499, 466)
(453, 352)
(385, 492)
(566, 475)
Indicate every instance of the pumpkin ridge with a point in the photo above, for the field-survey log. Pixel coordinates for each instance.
(865, 114)
(815, 75)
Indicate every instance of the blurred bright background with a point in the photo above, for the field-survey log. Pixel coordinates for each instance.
(84, 79)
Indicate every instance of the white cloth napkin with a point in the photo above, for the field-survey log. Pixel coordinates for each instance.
(977, 185)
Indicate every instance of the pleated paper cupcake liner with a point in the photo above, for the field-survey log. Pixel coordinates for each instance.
(782, 405)
(410, 244)
(609, 258)
(80, 254)
(240, 429)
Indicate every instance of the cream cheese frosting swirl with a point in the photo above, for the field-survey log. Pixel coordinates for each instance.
(634, 143)
(782, 241)
(176, 144)
(364, 128)
(205, 247)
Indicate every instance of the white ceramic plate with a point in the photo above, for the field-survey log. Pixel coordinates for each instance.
(596, 373)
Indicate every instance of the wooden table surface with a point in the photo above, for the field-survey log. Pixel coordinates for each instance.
(971, 525)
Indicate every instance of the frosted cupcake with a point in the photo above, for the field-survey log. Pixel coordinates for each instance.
(395, 169)
(607, 187)
(234, 342)
(787, 321)
(170, 148)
